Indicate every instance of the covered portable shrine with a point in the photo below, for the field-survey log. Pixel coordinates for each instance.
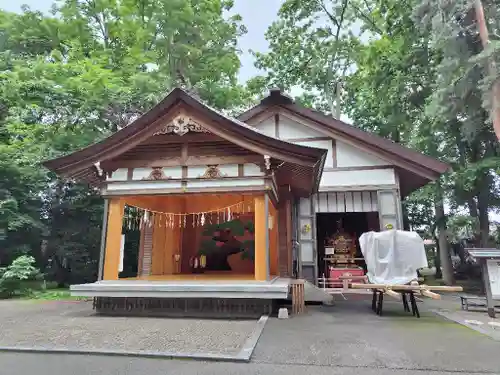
(206, 199)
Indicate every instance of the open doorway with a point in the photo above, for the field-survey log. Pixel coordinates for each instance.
(348, 225)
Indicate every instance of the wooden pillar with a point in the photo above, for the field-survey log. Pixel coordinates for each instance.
(113, 239)
(273, 241)
(261, 237)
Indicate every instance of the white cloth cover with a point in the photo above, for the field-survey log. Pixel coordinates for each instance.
(392, 257)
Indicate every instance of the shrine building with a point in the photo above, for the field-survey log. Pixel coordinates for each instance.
(202, 209)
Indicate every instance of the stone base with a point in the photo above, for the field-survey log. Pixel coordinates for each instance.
(184, 307)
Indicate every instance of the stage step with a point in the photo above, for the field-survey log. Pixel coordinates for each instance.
(315, 294)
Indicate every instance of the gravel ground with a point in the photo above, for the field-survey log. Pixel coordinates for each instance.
(74, 325)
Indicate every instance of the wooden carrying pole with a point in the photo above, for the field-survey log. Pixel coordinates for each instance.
(408, 288)
(392, 293)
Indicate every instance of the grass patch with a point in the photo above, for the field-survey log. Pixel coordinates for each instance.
(61, 294)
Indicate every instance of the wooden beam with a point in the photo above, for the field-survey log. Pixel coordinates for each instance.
(261, 239)
(408, 287)
(176, 161)
(113, 239)
(103, 239)
(392, 293)
(430, 294)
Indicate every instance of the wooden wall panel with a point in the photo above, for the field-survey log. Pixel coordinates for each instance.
(261, 256)
(348, 201)
(273, 241)
(113, 239)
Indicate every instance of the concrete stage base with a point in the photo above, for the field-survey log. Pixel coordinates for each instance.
(200, 297)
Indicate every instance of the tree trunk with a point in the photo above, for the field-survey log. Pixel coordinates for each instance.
(484, 221)
(437, 260)
(444, 248)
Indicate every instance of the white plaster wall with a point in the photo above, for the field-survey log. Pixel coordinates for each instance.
(307, 252)
(349, 156)
(327, 145)
(289, 129)
(196, 171)
(144, 185)
(140, 173)
(362, 178)
(225, 183)
(251, 169)
(119, 175)
(229, 170)
(173, 172)
(267, 126)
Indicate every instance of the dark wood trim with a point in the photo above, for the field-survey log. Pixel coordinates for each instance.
(130, 174)
(263, 116)
(365, 168)
(310, 139)
(186, 138)
(252, 190)
(191, 161)
(241, 171)
(288, 209)
(184, 153)
(334, 153)
(104, 231)
(277, 125)
(192, 179)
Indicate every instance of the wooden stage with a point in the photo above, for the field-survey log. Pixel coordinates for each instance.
(200, 295)
(208, 285)
(207, 276)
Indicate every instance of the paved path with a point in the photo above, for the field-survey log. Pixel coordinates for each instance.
(350, 335)
(343, 339)
(74, 325)
(21, 364)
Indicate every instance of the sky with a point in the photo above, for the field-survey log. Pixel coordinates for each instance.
(257, 17)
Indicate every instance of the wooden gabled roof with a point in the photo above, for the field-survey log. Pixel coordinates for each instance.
(415, 168)
(82, 164)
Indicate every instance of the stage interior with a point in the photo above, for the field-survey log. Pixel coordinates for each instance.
(353, 224)
(156, 260)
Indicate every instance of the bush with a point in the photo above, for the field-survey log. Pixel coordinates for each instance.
(20, 278)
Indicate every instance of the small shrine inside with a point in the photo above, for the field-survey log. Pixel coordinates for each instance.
(340, 255)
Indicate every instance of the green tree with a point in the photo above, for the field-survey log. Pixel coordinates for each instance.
(73, 77)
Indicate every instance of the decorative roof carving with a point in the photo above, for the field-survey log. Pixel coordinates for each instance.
(156, 174)
(213, 171)
(181, 125)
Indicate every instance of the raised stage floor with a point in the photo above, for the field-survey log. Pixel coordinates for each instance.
(209, 285)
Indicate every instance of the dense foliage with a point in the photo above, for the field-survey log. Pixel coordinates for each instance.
(413, 71)
(71, 78)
